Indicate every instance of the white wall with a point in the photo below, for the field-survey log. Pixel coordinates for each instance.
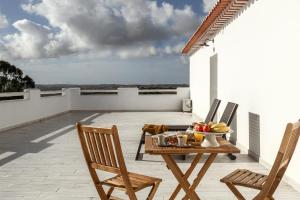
(259, 67)
(33, 107)
(128, 99)
(199, 82)
(16, 112)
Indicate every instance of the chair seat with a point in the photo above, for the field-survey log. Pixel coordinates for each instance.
(138, 181)
(246, 178)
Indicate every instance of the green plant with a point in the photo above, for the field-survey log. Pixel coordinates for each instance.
(12, 78)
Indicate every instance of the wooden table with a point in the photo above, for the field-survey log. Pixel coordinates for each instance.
(182, 178)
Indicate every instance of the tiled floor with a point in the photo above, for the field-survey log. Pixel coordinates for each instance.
(44, 160)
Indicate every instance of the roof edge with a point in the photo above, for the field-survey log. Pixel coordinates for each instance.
(221, 14)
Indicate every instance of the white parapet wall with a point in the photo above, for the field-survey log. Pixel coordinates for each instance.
(33, 107)
(38, 105)
(131, 99)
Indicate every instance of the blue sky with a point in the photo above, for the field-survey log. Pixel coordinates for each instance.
(97, 42)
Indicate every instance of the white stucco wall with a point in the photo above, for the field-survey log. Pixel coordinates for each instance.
(128, 99)
(259, 67)
(33, 107)
(199, 80)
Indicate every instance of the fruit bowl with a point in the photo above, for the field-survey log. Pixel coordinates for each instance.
(211, 130)
(211, 139)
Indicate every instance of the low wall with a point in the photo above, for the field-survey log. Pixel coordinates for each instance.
(31, 108)
(38, 105)
(130, 99)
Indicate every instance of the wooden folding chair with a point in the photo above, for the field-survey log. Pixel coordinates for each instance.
(102, 151)
(267, 184)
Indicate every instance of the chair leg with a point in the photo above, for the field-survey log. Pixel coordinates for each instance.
(183, 157)
(142, 141)
(153, 191)
(97, 184)
(230, 155)
(110, 191)
(270, 198)
(235, 191)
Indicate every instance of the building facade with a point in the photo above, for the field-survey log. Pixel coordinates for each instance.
(247, 52)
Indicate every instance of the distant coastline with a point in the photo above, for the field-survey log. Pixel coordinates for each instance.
(49, 87)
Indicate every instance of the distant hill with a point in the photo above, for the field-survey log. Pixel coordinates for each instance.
(45, 87)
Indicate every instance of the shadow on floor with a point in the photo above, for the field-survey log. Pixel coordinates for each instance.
(37, 136)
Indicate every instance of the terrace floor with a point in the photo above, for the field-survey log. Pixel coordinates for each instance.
(44, 160)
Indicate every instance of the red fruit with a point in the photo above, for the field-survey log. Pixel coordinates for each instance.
(206, 128)
(198, 127)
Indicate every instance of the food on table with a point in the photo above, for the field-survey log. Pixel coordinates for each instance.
(185, 138)
(198, 127)
(198, 136)
(206, 128)
(211, 127)
(220, 128)
(181, 140)
(172, 140)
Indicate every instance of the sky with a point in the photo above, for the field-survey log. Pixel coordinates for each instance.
(100, 41)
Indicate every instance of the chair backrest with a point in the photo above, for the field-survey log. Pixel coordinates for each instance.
(212, 111)
(102, 148)
(283, 158)
(229, 113)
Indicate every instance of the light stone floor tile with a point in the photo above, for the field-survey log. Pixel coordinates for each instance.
(44, 160)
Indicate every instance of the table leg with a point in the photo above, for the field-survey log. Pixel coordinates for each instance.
(187, 174)
(180, 177)
(202, 172)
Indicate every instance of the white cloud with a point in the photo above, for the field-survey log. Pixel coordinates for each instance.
(208, 5)
(128, 28)
(3, 21)
(29, 41)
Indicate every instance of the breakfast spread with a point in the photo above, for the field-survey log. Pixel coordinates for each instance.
(201, 134)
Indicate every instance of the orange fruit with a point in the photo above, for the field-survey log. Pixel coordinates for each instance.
(198, 136)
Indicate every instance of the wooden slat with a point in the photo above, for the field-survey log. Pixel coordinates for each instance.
(111, 151)
(243, 176)
(106, 153)
(96, 129)
(105, 168)
(256, 178)
(100, 148)
(238, 174)
(229, 175)
(138, 181)
(95, 147)
(89, 144)
(261, 181)
(251, 176)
